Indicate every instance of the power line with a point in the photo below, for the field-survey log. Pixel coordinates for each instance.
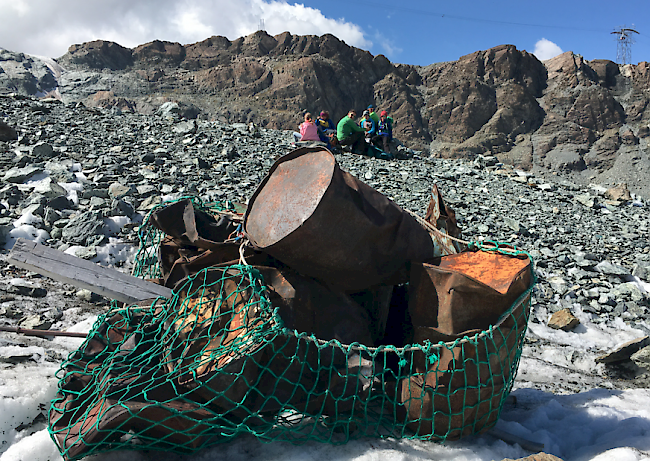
(468, 18)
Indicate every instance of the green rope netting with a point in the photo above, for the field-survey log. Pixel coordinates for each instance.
(146, 263)
(216, 361)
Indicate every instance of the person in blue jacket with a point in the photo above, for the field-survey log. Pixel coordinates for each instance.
(326, 129)
(384, 132)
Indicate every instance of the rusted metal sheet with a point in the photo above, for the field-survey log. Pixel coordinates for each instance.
(442, 217)
(325, 223)
(463, 295)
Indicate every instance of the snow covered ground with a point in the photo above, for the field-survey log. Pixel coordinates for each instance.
(598, 424)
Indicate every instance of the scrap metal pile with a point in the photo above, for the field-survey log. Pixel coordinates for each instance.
(325, 313)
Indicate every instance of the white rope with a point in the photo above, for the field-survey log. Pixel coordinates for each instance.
(242, 259)
(431, 228)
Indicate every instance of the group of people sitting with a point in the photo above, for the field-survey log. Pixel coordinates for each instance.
(372, 129)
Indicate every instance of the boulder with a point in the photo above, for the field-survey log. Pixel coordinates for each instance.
(563, 320)
(7, 133)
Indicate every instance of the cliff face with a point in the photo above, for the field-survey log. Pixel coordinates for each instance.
(588, 119)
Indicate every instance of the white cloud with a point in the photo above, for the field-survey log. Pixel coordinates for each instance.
(546, 49)
(390, 49)
(48, 28)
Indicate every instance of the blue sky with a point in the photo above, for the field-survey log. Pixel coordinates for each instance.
(422, 32)
(412, 32)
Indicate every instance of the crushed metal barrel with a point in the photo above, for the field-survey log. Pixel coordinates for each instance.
(344, 317)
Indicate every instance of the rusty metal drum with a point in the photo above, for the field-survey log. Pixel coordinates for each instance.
(327, 224)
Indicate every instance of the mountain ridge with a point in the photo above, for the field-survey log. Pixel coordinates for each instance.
(587, 120)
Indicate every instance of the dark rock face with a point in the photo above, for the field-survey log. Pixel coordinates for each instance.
(99, 54)
(566, 114)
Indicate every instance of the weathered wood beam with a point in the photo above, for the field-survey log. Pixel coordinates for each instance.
(83, 274)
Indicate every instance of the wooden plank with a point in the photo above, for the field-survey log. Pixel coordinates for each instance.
(83, 274)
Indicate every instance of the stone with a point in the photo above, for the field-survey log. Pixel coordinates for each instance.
(168, 109)
(558, 284)
(199, 162)
(20, 287)
(7, 133)
(642, 357)
(586, 200)
(35, 322)
(229, 152)
(122, 208)
(60, 202)
(624, 351)
(628, 137)
(49, 188)
(20, 175)
(149, 203)
(627, 289)
(86, 253)
(606, 267)
(97, 202)
(85, 229)
(51, 216)
(536, 457)
(4, 232)
(118, 191)
(563, 320)
(619, 193)
(42, 149)
(183, 128)
(148, 157)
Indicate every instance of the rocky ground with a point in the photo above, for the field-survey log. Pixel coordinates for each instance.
(585, 120)
(81, 179)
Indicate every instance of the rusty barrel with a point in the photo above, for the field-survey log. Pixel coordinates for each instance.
(326, 224)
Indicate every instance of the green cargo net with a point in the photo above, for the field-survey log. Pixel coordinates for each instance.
(146, 263)
(216, 361)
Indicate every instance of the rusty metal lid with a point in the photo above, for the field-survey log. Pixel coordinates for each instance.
(288, 196)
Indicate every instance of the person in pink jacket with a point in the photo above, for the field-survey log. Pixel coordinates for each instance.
(308, 129)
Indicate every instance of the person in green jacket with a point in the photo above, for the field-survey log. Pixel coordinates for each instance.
(351, 134)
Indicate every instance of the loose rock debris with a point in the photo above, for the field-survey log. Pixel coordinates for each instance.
(344, 316)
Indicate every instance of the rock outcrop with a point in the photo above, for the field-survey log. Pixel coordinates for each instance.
(585, 119)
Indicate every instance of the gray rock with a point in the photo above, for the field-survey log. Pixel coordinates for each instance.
(606, 267)
(642, 357)
(199, 162)
(35, 322)
(20, 175)
(85, 229)
(7, 133)
(586, 200)
(168, 109)
(558, 284)
(183, 128)
(22, 288)
(60, 203)
(51, 216)
(42, 149)
(624, 351)
(121, 208)
(148, 158)
(4, 233)
(86, 253)
(49, 188)
(118, 191)
(628, 289)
